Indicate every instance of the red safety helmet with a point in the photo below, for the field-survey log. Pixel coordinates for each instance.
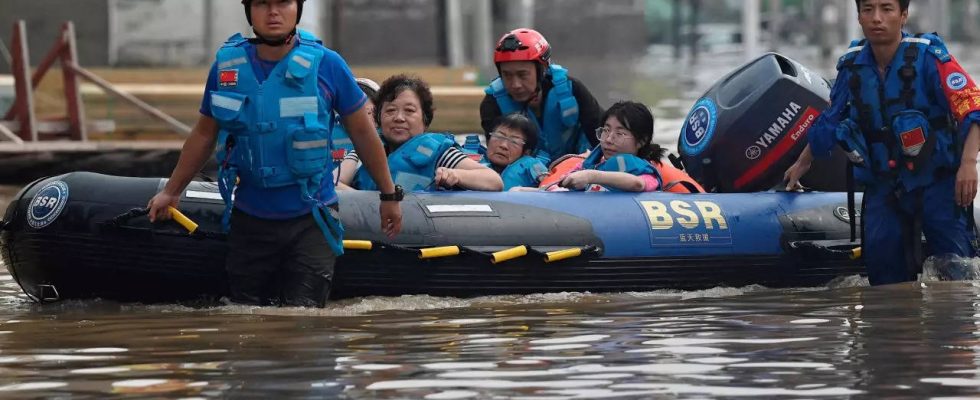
(522, 44)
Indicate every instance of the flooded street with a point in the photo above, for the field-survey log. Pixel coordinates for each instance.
(842, 340)
(902, 341)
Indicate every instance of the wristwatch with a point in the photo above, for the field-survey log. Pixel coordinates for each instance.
(397, 196)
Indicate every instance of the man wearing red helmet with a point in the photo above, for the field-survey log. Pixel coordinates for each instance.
(562, 106)
(271, 101)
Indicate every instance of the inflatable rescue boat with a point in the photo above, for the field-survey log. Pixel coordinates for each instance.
(83, 235)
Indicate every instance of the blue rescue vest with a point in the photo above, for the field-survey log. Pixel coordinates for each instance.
(627, 163)
(525, 171)
(561, 132)
(895, 130)
(276, 133)
(413, 164)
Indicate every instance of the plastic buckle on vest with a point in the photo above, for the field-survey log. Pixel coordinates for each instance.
(266, 126)
(907, 72)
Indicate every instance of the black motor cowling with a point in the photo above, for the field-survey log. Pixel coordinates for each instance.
(748, 128)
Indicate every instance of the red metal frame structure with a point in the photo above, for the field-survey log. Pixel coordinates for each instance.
(65, 51)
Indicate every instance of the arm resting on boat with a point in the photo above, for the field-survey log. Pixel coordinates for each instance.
(612, 180)
(196, 151)
(470, 175)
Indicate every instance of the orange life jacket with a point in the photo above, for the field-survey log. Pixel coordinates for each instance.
(561, 167)
(676, 180)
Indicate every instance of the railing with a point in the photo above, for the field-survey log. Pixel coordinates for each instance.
(20, 124)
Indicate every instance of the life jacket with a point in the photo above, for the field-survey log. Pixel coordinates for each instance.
(895, 128)
(675, 180)
(275, 134)
(341, 142)
(561, 167)
(523, 172)
(413, 164)
(561, 132)
(627, 163)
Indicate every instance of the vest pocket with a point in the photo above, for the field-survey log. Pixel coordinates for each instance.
(308, 153)
(227, 107)
(911, 129)
(850, 137)
(423, 154)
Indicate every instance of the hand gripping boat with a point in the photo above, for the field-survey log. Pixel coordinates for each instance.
(77, 236)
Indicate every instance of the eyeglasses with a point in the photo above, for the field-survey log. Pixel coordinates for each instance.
(514, 141)
(618, 135)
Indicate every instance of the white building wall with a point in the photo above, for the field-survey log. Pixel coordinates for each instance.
(180, 32)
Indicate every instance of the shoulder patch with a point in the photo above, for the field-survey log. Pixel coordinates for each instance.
(939, 52)
(936, 47)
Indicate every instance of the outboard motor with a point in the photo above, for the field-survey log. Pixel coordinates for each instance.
(748, 128)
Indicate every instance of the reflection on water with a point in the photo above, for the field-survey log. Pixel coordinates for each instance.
(911, 340)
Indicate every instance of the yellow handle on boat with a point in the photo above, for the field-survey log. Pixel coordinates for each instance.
(183, 220)
(508, 254)
(436, 252)
(855, 253)
(358, 245)
(562, 254)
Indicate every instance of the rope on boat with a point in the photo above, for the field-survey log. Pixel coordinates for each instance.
(496, 257)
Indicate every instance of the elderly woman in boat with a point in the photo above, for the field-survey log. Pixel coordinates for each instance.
(626, 158)
(418, 160)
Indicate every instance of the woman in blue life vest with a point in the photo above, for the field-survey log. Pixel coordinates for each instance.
(420, 160)
(908, 116)
(509, 152)
(274, 98)
(621, 162)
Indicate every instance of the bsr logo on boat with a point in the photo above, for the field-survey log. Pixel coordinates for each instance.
(690, 223)
(47, 204)
(699, 126)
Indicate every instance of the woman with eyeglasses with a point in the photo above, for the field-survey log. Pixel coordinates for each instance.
(419, 160)
(509, 151)
(626, 158)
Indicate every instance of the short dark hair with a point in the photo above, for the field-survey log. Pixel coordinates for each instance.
(902, 4)
(397, 84)
(519, 121)
(638, 119)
